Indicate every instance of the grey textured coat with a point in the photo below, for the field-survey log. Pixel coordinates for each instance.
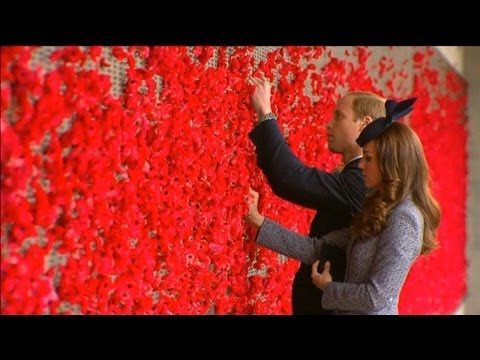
(376, 267)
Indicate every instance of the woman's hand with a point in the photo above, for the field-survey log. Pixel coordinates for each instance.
(321, 280)
(254, 217)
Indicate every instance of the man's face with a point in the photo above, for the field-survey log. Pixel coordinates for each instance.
(343, 130)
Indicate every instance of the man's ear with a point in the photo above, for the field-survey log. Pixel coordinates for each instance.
(365, 121)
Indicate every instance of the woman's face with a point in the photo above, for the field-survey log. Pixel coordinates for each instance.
(370, 166)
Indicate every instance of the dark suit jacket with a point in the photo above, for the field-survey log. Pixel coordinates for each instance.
(335, 196)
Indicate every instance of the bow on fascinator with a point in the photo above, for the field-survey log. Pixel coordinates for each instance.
(395, 111)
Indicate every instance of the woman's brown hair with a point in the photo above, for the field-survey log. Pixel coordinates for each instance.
(405, 171)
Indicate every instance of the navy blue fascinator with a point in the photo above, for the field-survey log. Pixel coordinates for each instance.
(395, 111)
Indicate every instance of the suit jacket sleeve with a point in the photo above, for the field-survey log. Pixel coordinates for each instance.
(286, 242)
(399, 244)
(291, 180)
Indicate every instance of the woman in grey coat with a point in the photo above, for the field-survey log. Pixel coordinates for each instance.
(398, 221)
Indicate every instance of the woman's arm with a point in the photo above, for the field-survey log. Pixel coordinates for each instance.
(286, 242)
(277, 238)
(399, 245)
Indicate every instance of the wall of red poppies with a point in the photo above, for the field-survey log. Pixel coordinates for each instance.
(131, 201)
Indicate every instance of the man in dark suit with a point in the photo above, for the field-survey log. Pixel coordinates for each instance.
(335, 196)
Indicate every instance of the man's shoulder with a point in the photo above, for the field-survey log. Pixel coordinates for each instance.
(352, 172)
